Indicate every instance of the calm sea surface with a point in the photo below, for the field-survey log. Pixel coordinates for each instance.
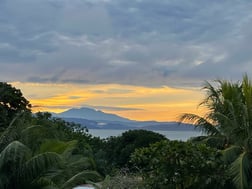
(172, 135)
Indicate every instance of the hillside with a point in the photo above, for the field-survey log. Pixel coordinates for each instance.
(96, 119)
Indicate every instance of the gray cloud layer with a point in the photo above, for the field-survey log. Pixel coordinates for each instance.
(139, 42)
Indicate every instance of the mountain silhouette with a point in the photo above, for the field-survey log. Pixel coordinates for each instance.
(91, 114)
(96, 119)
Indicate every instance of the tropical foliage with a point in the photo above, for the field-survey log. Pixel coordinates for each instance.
(177, 164)
(44, 152)
(229, 122)
(12, 102)
(39, 151)
(118, 149)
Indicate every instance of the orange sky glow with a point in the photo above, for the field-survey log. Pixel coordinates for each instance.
(133, 102)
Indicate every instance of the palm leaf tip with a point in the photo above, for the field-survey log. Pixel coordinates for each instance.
(240, 170)
(200, 123)
(81, 178)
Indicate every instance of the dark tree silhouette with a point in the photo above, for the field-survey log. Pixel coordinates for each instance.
(12, 102)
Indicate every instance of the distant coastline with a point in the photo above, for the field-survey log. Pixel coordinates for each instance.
(171, 135)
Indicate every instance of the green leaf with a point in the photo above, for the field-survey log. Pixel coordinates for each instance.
(81, 178)
(14, 155)
(201, 123)
(231, 153)
(39, 164)
(57, 146)
(240, 170)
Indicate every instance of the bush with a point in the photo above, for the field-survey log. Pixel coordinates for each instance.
(118, 149)
(177, 164)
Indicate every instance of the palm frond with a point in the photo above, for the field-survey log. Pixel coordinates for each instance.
(11, 133)
(33, 136)
(201, 123)
(214, 141)
(247, 90)
(240, 170)
(38, 129)
(72, 166)
(213, 96)
(57, 146)
(81, 178)
(39, 164)
(231, 153)
(227, 125)
(13, 156)
(83, 163)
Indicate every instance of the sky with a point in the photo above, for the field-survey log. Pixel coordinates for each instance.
(141, 59)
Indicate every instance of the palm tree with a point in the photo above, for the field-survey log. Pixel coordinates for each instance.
(33, 157)
(75, 168)
(20, 169)
(229, 120)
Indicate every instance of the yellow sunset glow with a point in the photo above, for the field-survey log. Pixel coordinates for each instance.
(133, 102)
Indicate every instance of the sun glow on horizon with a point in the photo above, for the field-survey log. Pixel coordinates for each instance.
(133, 102)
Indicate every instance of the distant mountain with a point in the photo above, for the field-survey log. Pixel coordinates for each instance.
(96, 119)
(91, 114)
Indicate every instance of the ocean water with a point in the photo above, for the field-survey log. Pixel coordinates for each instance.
(172, 135)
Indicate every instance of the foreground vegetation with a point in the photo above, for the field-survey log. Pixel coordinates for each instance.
(39, 151)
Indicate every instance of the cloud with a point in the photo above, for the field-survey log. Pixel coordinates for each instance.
(75, 97)
(114, 91)
(146, 43)
(38, 107)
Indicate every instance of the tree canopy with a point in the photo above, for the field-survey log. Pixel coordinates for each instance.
(12, 102)
(180, 165)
